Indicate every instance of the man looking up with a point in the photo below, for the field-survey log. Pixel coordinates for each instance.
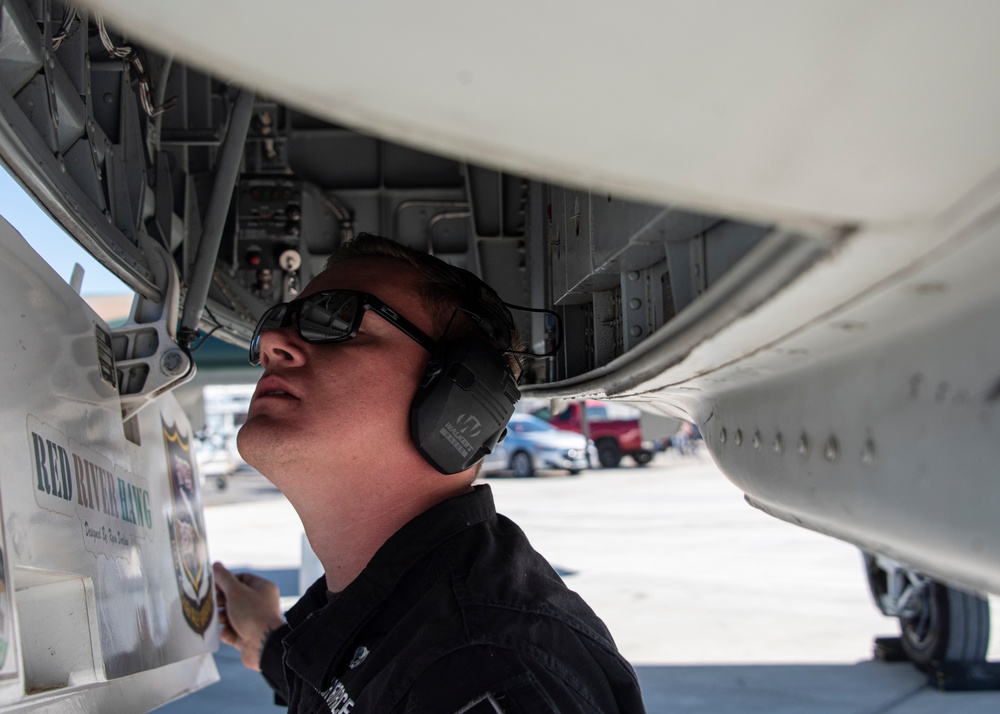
(430, 602)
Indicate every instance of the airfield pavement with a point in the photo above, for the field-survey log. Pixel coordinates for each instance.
(719, 607)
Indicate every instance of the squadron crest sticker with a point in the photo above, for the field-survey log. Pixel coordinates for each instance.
(187, 533)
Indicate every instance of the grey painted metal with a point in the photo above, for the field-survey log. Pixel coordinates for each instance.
(56, 147)
(227, 171)
(774, 263)
(21, 54)
(903, 588)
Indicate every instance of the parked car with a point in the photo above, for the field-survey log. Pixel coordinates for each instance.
(614, 428)
(532, 443)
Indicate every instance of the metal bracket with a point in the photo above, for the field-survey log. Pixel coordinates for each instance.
(148, 359)
(905, 588)
(638, 304)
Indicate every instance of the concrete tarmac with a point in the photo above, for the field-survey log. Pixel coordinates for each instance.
(720, 608)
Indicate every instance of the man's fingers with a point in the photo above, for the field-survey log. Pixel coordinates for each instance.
(223, 578)
(248, 609)
(254, 582)
(227, 635)
(229, 583)
(247, 579)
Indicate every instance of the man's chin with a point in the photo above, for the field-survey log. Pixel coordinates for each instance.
(261, 443)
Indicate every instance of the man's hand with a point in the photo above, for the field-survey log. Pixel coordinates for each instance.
(249, 611)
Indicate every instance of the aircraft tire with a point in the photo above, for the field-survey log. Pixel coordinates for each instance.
(954, 626)
(949, 625)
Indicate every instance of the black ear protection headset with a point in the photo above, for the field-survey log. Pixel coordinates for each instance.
(469, 390)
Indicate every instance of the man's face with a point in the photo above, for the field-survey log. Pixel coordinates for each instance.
(324, 407)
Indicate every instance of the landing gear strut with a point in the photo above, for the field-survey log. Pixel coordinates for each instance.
(944, 631)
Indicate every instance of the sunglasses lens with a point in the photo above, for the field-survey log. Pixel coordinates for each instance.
(324, 317)
(329, 316)
(270, 320)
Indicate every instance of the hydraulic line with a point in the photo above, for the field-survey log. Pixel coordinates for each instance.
(230, 155)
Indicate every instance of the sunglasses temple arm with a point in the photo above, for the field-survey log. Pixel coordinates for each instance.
(559, 331)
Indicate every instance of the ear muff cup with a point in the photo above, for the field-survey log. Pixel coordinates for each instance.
(462, 405)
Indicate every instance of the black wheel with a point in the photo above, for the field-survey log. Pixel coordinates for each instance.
(520, 464)
(574, 472)
(642, 458)
(608, 453)
(937, 623)
(950, 626)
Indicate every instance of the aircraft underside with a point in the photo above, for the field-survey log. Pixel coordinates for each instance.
(843, 371)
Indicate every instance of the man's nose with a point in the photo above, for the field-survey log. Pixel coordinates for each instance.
(282, 344)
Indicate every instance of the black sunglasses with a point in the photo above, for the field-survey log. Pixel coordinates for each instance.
(331, 316)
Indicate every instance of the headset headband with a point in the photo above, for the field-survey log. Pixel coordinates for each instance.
(493, 316)
(484, 306)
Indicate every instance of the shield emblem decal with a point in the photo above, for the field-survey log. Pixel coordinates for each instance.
(187, 533)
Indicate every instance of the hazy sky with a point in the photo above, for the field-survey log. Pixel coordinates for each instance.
(52, 242)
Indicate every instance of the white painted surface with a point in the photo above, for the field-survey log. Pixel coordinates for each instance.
(842, 111)
(91, 598)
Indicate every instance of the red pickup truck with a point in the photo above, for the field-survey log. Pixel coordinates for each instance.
(613, 428)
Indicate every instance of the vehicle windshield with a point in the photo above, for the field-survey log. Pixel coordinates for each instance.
(597, 413)
(522, 426)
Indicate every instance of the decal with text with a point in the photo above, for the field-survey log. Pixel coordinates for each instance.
(113, 505)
